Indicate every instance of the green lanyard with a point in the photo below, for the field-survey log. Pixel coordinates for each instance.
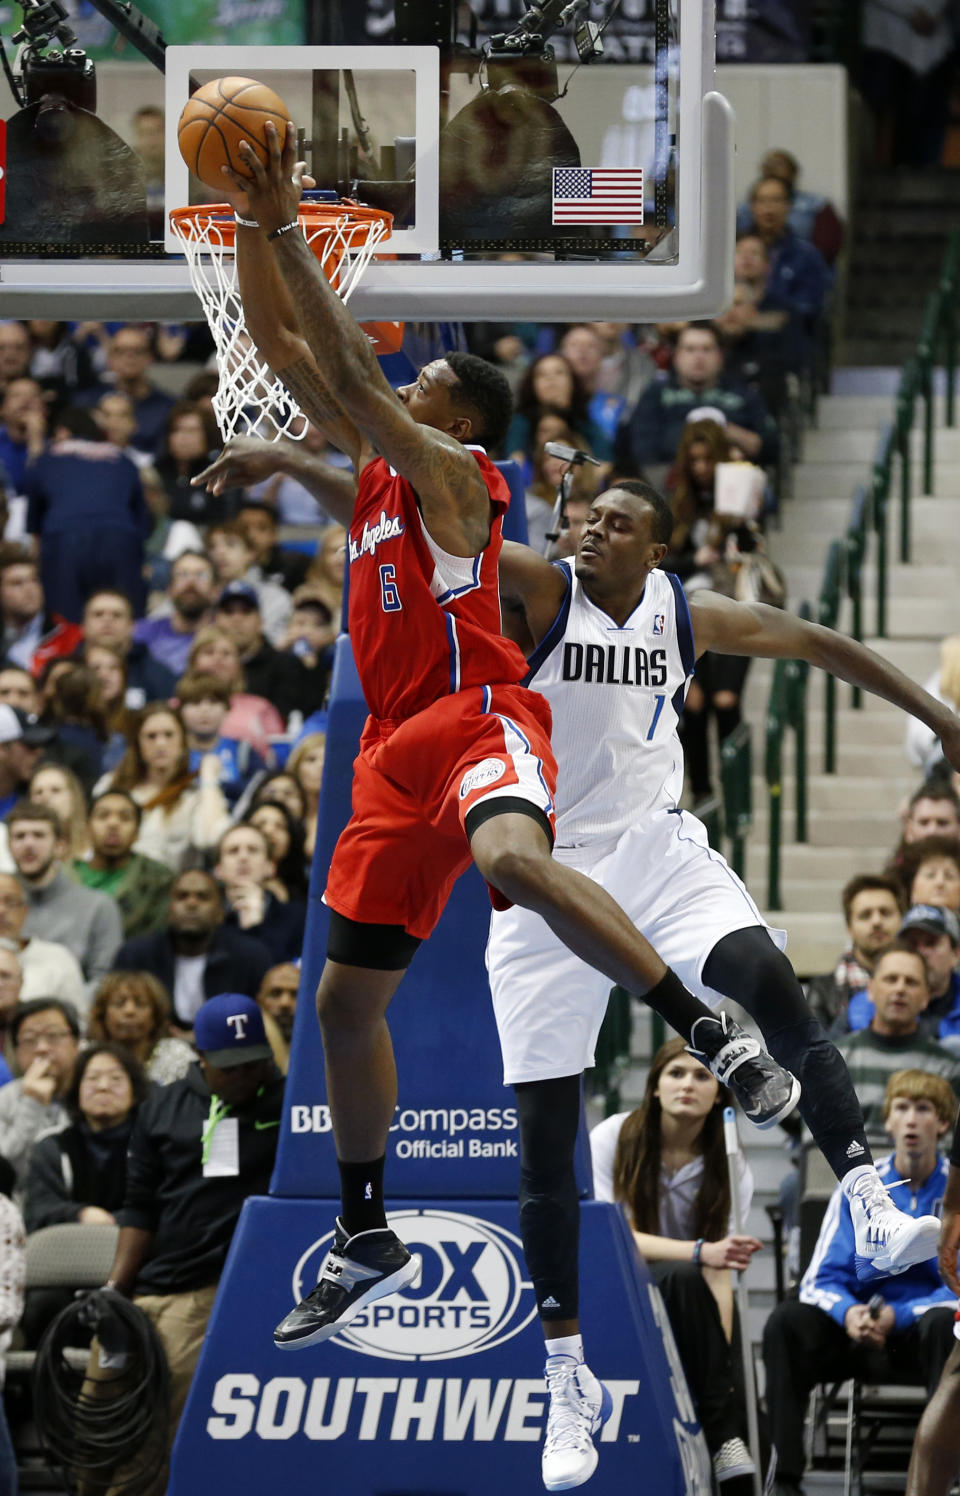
(218, 1110)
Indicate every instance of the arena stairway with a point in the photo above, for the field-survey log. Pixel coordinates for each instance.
(853, 814)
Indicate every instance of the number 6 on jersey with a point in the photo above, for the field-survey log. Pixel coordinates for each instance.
(389, 596)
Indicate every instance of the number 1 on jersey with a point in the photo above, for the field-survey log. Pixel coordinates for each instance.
(656, 716)
(389, 596)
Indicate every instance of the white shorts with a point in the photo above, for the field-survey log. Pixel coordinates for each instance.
(678, 892)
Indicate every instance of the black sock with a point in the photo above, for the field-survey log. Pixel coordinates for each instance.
(549, 1114)
(361, 1193)
(675, 1004)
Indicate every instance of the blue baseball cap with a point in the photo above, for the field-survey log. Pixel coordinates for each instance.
(229, 1031)
(933, 918)
(239, 592)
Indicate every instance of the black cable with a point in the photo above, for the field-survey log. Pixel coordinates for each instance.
(116, 1427)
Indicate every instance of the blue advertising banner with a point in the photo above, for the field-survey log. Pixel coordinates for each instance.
(437, 1389)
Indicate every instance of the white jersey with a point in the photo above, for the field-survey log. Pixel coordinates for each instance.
(616, 694)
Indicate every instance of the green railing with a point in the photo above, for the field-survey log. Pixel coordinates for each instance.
(786, 711)
(848, 558)
(736, 771)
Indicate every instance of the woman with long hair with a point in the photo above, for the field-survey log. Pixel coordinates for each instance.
(132, 1009)
(59, 787)
(547, 472)
(693, 545)
(184, 815)
(726, 555)
(252, 719)
(551, 383)
(306, 765)
(666, 1165)
(190, 437)
(326, 571)
(286, 837)
(110, 668)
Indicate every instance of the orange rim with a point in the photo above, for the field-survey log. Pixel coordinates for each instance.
(316, 215)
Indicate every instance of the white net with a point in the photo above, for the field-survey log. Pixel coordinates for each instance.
(250, 400)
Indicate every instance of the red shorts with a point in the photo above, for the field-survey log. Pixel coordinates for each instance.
(414, 782)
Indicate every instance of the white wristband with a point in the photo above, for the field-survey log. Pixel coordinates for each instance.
(246, 223)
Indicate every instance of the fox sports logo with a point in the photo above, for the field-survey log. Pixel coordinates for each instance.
(472, 1293)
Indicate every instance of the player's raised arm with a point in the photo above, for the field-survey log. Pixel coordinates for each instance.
(246, 460)
(531, 592)
(768, 633)
(456, 505)
(271, 320)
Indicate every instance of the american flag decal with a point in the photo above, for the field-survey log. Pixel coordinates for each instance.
(597, 194)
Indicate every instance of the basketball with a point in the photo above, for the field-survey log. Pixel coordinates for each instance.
(218, 116)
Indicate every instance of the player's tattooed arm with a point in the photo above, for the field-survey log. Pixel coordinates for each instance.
(454, 498)
(531, 589)
(754, 629)
(312, 393)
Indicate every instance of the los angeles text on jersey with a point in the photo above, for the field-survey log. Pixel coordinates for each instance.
(614, 664)
(399, 1408)
(387, 527)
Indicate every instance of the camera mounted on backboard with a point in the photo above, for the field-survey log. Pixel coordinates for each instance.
(65, 71)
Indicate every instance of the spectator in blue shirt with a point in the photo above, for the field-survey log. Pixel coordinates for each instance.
(799, 276)
(696, 382)
(204, 703)
(86, 507)
(812, 216)
(899, 1329)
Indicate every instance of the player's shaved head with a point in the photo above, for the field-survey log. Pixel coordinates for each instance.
(645, 497)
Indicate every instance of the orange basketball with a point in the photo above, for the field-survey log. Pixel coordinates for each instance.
(218, 116)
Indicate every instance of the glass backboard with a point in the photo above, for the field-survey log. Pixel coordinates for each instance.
(528, 174)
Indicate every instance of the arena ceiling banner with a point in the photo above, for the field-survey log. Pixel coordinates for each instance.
(186, 22)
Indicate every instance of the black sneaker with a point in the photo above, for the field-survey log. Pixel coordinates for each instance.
(356, 1271)
(766, 1092)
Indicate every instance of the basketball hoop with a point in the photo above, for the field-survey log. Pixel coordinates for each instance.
(250, 399)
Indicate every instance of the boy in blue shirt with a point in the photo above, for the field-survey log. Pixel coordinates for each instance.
(897, 1329)
(204, 703)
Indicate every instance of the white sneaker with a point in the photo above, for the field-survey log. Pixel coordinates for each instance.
(579, 1406)
(887, 1240)
(733, 1458)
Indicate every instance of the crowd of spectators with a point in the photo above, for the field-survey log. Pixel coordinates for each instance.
(165, 656)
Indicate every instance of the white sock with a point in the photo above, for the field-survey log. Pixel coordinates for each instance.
(853, 1176)
(566, 1345)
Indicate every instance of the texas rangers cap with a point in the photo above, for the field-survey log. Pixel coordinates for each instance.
(239, 592)
(23, 727)
(229, 1031)
(931, 917)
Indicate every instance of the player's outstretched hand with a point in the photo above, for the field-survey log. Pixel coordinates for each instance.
(950, 742)
(272, 193)
(243, 461)
(732, 1251)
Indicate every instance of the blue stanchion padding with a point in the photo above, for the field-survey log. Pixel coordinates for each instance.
(515, 519)
(435, 1390)
(455, 1129)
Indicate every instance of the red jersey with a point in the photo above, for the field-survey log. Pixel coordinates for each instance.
(423, 624)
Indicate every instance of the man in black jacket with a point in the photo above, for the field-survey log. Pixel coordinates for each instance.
(108, 620)
(276, 675)
(199, 1147)
(196, 955)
